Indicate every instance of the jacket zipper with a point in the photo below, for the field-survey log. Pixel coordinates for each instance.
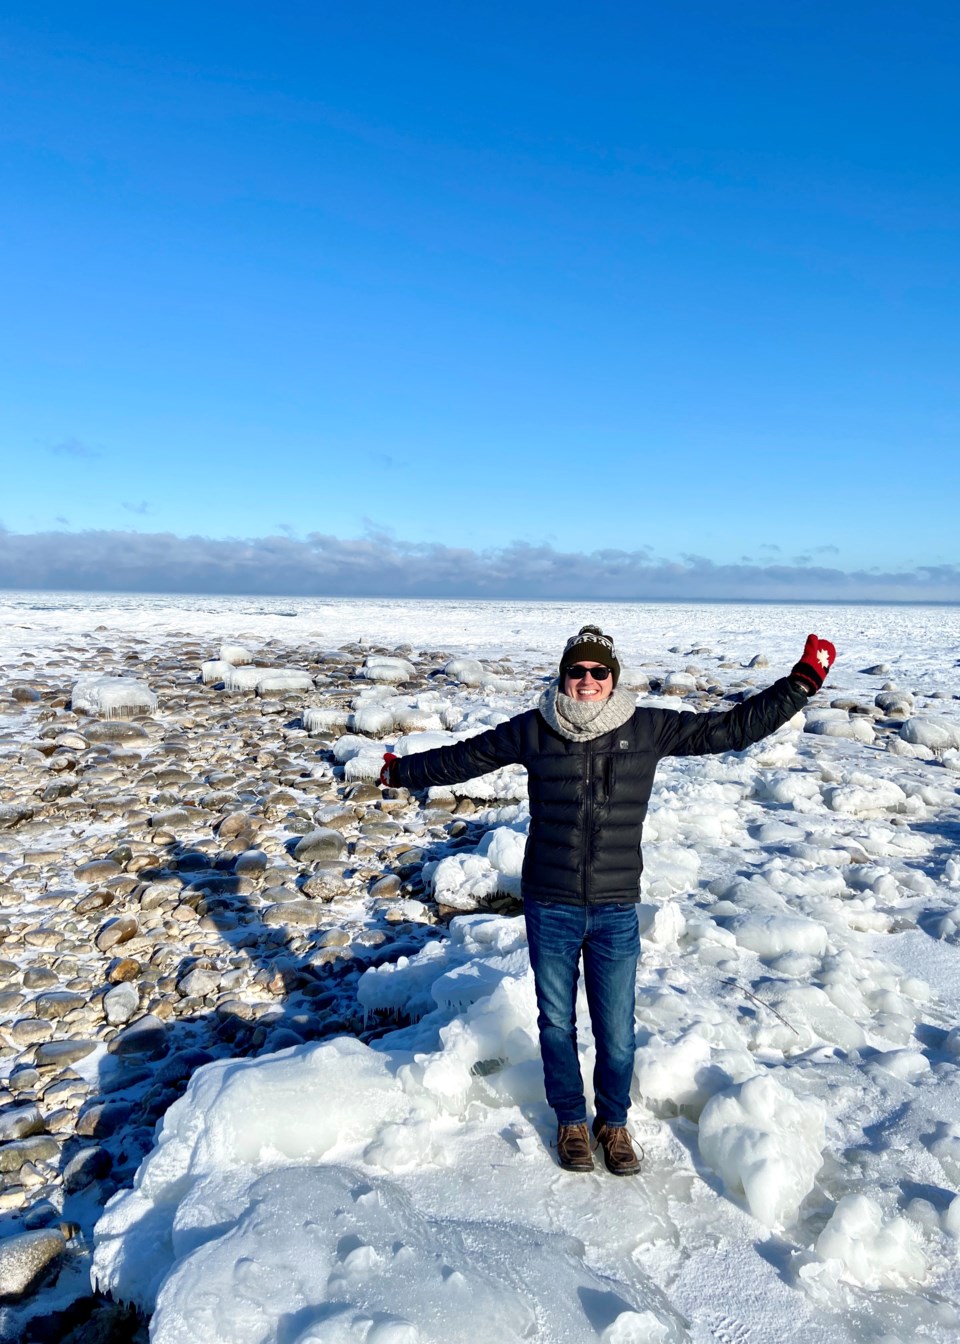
(587, 816)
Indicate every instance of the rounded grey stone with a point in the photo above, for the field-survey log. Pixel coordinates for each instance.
(319, 845)
(62, 1053)
(24, 1258)
(120, 1003)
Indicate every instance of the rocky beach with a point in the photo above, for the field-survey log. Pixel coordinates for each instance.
(192, 869)
(197, 864)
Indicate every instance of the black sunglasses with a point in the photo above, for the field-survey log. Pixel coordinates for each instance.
(578, 672)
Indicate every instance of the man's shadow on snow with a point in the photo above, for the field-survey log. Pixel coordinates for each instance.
(150, 1062)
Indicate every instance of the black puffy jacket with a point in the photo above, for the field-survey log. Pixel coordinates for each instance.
(588, 800)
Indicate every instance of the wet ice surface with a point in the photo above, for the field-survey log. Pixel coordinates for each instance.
(797, 1065)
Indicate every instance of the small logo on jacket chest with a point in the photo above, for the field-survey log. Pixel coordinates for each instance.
(624, 743)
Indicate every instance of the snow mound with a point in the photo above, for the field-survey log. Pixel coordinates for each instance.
(290, 1198)
(765, 1144)
(353, 1260)
(872, 1252)
(112, 697)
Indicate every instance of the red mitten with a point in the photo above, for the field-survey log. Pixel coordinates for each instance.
(815, 662)
(388, 775)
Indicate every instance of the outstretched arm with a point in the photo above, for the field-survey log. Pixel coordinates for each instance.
(462, 760)
(740, 727)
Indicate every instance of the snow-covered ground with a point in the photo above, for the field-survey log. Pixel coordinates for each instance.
(797, 1086)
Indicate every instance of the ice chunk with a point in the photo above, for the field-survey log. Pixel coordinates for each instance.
(364, 765)
(504, 848)
(112, 697)
(662, 924)
(246, 678)
(465, 881)
(378, 667)
(945, 1147)
(675, 1074)
(323, 719)
(237, 654)
(936, 734)
(215, 671)
(865, 795)
(873, 1253)
(468, 671)
(281, 681)
(376, 720)
(770, 935)
(838, 723)
(418, 721)
(765, 1144)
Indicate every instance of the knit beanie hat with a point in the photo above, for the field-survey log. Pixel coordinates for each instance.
(591, 643)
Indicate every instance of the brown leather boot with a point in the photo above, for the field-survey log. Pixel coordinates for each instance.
(618, 1150)
(574, 1150)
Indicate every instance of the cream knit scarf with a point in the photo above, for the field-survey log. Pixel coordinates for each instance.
(580, 721)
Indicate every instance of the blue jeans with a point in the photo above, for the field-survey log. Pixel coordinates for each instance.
(608, 936)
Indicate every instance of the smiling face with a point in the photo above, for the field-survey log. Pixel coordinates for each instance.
(586, 688)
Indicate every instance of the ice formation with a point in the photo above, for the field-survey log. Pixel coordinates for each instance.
(112, 697)
(235, 654)
(874, 1252)
(766, 1144)
(378, 667)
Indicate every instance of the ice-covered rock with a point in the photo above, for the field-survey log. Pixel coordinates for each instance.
(874, 1252)
(468, 671)
(467, 881)
(245, 678)
(237, 654)
(323, 718)
(894, 702)
(935, 733)
(378, 667)
(765, 1144)
(374, 720)
(838, 723)
(283, 681)
(364, 766)
(679, 683)
(414, 720)
(464, 881)
(112, 697)
(214, 671)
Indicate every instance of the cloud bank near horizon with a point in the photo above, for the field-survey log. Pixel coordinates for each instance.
(379, 565)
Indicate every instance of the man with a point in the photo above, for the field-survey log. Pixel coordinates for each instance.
(591, 755)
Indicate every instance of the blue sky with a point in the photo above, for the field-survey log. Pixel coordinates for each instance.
(679, 281)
